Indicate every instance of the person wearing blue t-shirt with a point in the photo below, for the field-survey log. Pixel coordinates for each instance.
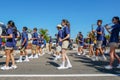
(40, 45)
(80, 45)
(100, 35)
(58, 43)
(24, 44)
(114, 40)
(65, 43)
(0, 42)
(34, 44)
(9, 47)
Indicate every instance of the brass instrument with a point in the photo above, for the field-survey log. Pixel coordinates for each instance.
(92, 35)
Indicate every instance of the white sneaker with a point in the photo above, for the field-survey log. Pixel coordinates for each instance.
(84, 54)
(40, 54)
(26, 60)
(36, 56)
(55, 59)
(118, 66)
(96, 58)
(62, 67)
(19, 61)
(78, 54)
(5, 68)
(108, 67)
(69, 66)
(31, 57)
(43, 53)
(49, 52)
(104, 58)
(106, 52)
(14, 67)
(59, 57)
(93, 58)
(87, 56)
(4, 56)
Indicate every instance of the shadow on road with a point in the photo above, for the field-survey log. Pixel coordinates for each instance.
(99, 65)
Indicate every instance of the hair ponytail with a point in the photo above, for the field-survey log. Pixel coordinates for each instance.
(67, 23)
(117, 18)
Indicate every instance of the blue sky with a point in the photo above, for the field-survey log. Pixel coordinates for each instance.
(48, 13)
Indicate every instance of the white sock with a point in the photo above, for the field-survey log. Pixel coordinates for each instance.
(26, 57)
(68, 61)
(20, 58)
(103, 56)
(63, 63)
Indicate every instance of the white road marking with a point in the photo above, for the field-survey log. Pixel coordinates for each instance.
(62, 75)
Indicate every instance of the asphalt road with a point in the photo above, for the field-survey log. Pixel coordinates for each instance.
(46, 66)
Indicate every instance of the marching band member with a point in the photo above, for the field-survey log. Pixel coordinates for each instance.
(24, 43)
(100, 35)
(80, 45)
(34, 44)
(9, 47)
(65, 43)
(91, 44)
(50, 45)
(114, 39)
(58, 44)
(40, 45)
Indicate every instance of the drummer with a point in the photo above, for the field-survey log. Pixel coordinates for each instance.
(34, 44)
(24, 46)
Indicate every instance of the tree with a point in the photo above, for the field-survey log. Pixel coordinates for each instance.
(107, 37)
(44, 32)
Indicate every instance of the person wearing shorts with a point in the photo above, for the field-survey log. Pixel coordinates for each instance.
(80, 45)
(114, 40)
(34, 44)
(50, 45)
(24, 44)
(9, 47)
(91, 50)
(40, 45)
(100, 35)
(58, 43)
(65, 42)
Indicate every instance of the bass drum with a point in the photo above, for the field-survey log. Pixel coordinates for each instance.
(3, 29)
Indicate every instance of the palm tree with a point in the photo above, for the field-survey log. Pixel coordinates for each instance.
(44, 32)
(107, 37)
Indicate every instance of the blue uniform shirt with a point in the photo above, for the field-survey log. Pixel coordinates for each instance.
(50, 41)
(66, 31)
(35, 35)
(0, 42)
(60, 35)
(100, 36)
(81, 43)
(115, 33)
(24, 36)
(40, 41)
(10, 42)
